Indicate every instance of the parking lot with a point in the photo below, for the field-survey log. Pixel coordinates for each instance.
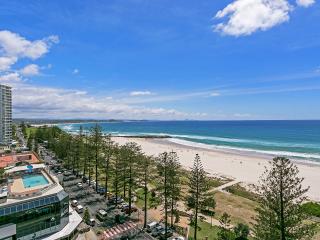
(85, 195)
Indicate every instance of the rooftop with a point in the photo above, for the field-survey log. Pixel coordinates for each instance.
(14, 158)
(28, 182)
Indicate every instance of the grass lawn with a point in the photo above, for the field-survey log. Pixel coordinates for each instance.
(242, 210)
(206, 231)
(241, 191)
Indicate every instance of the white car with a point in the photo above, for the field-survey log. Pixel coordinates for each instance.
(79, 209)
(178, 238)
(74, 203)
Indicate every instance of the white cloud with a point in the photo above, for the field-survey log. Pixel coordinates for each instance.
(140, 93)
(10, 77)
(34, 101)
(14, 47)
(7, 62)
(12, 44)
(215, 94)
(245, 17)
(305, 3)
(30, 70)
(75, 71)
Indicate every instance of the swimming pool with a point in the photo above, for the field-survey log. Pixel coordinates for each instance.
(34, 180)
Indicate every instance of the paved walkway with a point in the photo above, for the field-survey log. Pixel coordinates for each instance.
(220, 188)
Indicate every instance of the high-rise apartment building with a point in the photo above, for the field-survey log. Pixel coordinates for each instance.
(5, 114)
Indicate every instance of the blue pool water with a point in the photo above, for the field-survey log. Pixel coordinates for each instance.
(34, 180)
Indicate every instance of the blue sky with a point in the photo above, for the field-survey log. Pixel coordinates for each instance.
(162, 59)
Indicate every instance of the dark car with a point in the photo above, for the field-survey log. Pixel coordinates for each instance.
(163, 234)
(113, 199)
(156, 232)
(101, 190)
(126, 209)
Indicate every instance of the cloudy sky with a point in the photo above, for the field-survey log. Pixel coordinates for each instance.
(162, 59)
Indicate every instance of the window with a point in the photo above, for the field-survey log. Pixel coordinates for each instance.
(25, 206)
(19, 208)
(52, 200)
(13, 209)
(7, 210)
(1, 212)
(31, 205)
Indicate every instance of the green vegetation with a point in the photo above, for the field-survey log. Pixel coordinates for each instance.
(197, 199)
(169, 184)
(86, 215)
(238, 190)
(280, 213)
(1, 173)
(125, 171)
(312, 209)
(204, 230)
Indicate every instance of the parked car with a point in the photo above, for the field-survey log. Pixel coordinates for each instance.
(67, 173)
(164, 236)
(126, 209)
(157, 230)
(91, 222)
(151, 226)
(112, 200)
(101, 215)
(101, 190)
(74, 203)
(122, 205)
(79, 209)
(178, 238)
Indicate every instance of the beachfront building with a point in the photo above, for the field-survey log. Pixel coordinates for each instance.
(5, 115)
(33, 205)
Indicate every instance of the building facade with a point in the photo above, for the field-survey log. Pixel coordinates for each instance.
(33, 205)
(5, 115)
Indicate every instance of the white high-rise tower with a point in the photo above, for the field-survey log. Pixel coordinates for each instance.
(5, 115)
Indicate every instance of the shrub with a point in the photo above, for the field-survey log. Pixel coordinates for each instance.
(312, 209)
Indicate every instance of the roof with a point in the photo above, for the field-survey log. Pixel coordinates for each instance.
(24, 168)
(11, 159)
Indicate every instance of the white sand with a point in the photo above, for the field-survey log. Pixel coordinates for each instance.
(243, 166)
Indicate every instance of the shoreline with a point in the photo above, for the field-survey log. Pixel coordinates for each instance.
(239, 165)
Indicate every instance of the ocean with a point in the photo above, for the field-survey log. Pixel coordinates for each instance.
(295, 139)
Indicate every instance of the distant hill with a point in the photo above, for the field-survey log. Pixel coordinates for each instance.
(53, 121)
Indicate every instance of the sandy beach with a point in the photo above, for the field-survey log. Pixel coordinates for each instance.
(243, 166)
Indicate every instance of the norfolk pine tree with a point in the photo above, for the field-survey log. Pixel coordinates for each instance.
(280, 215)
(198, 192)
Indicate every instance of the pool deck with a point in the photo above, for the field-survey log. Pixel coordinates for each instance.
(16, 190)
(18, 187)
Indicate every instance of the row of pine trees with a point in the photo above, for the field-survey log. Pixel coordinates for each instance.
(122, 169)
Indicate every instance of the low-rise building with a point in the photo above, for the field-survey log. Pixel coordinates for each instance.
(33, 205)
(12, 159)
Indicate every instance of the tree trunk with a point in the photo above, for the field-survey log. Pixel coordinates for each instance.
(282, 225)
(96, 187)
(145, 198)
(130, 189)
(165, 196)
(106, 179)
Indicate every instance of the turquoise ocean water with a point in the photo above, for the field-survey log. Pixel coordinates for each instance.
(297, 139)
